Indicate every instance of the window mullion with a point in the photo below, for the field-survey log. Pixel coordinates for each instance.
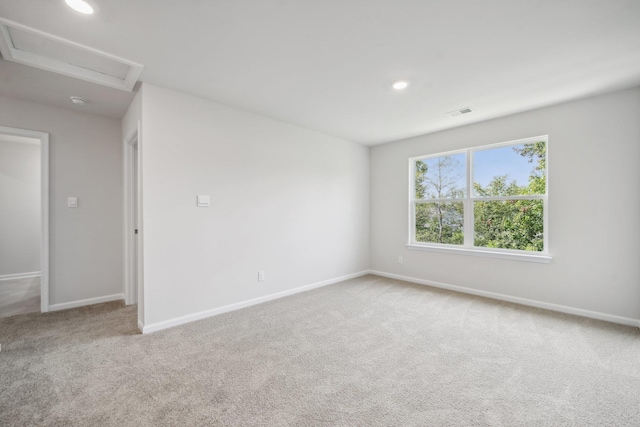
(412, 204)
(445, 200)
(468, 205)
(503, 198)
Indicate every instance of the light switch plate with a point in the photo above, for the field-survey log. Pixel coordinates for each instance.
(72, 202)
(203, 201)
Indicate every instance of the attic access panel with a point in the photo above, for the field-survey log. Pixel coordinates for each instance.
(29, 46)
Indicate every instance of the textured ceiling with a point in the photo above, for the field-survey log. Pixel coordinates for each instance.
(328, 65)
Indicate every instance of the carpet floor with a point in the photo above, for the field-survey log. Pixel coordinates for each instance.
(365, 352)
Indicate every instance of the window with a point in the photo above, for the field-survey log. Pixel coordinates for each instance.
(489, 200)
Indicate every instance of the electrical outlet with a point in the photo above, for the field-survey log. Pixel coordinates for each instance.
(260, 276)
(400, 260)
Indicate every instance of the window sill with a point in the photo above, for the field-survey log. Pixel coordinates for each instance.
(546, 259)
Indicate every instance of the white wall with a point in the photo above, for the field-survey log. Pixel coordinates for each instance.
(19, 207)
(85, 161)
(286, 200)
(132, 116)
(594, 201)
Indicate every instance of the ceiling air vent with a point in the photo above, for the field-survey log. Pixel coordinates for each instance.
(459, 112)
(41, 50)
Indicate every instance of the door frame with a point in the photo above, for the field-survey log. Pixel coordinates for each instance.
(133, 253)
(44, 207)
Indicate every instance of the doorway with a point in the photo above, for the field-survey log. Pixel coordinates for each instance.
(133, 288)
(24, 229)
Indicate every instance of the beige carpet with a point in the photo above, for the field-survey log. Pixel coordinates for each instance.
(365, 352)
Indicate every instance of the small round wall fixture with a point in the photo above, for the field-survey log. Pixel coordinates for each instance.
(81, 6)
(77, 100)
(400, 84)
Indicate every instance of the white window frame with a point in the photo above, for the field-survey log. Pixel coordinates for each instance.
(468, 248)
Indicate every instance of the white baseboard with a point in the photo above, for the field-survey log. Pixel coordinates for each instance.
(524, 301)
(140, 326)
(19, 275)
(83, 302)
(153, 327)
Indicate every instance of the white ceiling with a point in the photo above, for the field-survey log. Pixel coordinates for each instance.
(328, 65)
(33, 84)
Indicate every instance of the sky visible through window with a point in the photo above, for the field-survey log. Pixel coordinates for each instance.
(488, 164)
(501, 161)
(458, 169)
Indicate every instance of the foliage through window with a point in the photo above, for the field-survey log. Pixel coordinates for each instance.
(491, 197)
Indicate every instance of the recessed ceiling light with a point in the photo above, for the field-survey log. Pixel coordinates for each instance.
(78, 100)
(80, 6)
(400, 84)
